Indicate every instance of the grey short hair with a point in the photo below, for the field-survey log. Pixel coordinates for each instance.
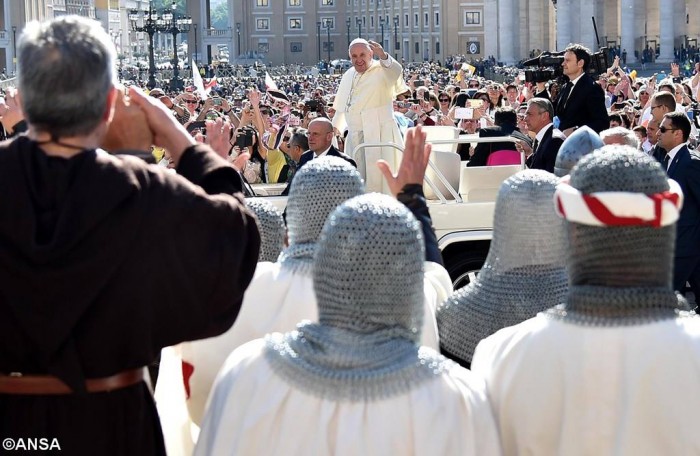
(66, 69)
(620, 135)
(300, 138)
(545, 105)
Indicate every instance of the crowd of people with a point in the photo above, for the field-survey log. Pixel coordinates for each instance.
(333, 328)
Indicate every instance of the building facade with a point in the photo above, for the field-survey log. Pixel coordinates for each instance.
(305, 31)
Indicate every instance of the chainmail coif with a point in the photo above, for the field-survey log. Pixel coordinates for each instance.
(317, 189)
(368, 279)
(581, 142)
(620, 275)
(524, 271)
(271, 227)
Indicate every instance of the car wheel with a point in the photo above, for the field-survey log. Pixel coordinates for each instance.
(464, 267)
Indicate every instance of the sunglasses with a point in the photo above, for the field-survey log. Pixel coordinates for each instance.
(191, 101)
(444, 99)
(265, 113)
(664, 129)
(286, 139)
(473, 86)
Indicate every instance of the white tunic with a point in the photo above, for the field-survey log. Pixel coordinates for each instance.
(276, 301)
(563, 389)
(252, 411)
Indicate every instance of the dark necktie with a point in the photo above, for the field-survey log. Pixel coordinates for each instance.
(566, 91)
(534, 146)
(666, 158)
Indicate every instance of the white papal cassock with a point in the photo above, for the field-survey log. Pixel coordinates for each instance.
(363, 105)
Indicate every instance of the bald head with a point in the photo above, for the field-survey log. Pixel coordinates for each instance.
(320, 135)
(652, 129)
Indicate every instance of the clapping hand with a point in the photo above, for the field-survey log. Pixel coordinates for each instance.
(11, 109)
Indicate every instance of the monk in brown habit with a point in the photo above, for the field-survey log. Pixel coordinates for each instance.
(104, 259)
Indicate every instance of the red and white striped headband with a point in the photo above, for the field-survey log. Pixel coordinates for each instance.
(619, 208)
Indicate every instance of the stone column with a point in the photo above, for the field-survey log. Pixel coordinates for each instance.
(586, 30)
(563, 24)
(506, 30)
(666, 12)
(490, 45)
(628, 31)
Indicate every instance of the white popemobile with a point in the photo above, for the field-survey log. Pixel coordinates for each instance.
(461, 200)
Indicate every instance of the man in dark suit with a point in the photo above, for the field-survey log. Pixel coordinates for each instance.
(319, 139)
(683, 166)
(581, 101)
(320, 135)
(548, 139)
(506, 125)
(467, 127)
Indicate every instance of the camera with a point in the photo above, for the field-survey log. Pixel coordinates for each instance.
(244, 138)
(549, 65)
(311, 105)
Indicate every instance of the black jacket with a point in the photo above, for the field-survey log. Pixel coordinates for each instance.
(585, 106)
(546, 154)
(309, 155)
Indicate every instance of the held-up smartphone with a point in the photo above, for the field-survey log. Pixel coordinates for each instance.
(464, 113)
(619, 106)
(475, 104)
(196, 125)
(218, 101)
(244, 139)
(418, 83)
(426, 96)
(311, 105)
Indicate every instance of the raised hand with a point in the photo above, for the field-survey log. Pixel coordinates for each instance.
(377, 49)
(414, 161)
(128, 129)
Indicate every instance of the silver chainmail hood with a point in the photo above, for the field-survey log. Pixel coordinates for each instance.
(316, 190)
(271, 227)
(368, 279)
(524, 271)
(620, 275)
(581, 142)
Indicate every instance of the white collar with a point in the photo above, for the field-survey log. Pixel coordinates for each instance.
(672, 154)
(540, 134)
(325, 152)
(573, 83)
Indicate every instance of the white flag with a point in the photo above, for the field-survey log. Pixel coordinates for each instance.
(198, 82)
(269, 82)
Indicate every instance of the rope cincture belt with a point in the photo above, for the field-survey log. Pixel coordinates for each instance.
(20, 384)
